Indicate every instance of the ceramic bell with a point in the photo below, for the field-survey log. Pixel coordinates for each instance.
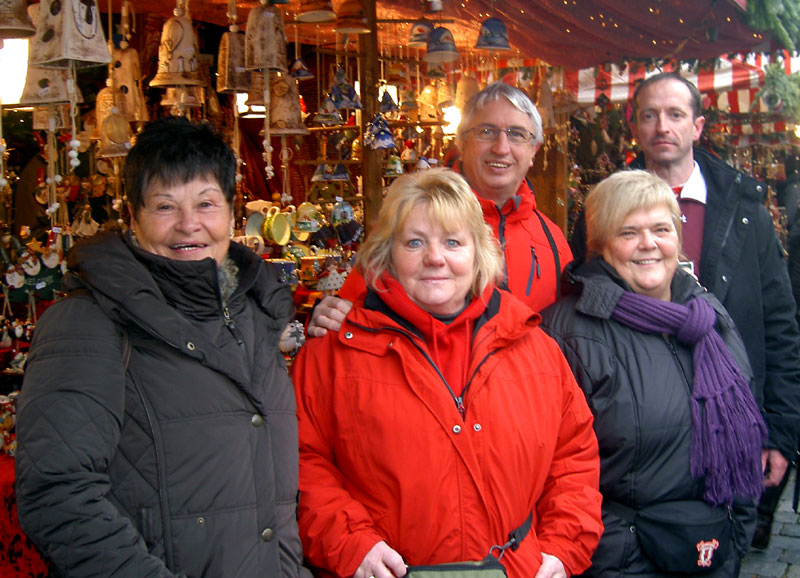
(466, 88)
(343, 94)
(69, 32)
(394, 166)
(105, 102)
(299, 70)
(387, 103)
(231, 73)
(178, 63)
(127, 74)
(14, 20)
(351, 18)
(493, 35)
(284, 106)
(420, 32)
(265, 39)
(317, 11)
(255, 96)
(42, 85)
(441, 46)
(328, 115)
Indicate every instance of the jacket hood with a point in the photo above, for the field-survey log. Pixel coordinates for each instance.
(160, 295)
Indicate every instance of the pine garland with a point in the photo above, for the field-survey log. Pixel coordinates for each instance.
(781, 91)
(779, 17)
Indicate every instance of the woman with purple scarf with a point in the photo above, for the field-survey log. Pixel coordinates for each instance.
(667, 378)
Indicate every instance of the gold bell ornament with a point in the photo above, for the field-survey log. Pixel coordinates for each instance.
(178, 63)
(111, 128)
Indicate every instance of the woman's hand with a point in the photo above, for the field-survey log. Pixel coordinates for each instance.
(381, 562)
(551, 567)
(328, 316)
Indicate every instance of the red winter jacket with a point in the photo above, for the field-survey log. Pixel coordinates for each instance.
(531, 270)
(385, 453)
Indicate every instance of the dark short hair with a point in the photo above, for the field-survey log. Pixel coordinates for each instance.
(174, 151)
(697, 98)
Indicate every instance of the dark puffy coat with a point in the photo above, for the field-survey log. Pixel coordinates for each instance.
(742, 264)
(638, 387)
(186, 463)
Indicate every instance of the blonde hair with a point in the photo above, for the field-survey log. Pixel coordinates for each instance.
(450, 203)
(617, 196)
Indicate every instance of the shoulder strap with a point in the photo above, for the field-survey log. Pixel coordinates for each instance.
(515, 536)
(554, 249)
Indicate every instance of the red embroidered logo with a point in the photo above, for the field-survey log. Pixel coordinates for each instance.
(706, 550)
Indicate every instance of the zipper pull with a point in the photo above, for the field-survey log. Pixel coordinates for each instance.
(536, 263)
(460, 406)
(231, 325)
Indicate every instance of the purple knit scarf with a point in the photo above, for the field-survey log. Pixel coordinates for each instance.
(727, 427)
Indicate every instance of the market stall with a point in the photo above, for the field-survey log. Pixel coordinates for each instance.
(325, 104)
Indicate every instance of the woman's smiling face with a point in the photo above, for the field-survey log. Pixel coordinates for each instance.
(186, 222)
(644, 251)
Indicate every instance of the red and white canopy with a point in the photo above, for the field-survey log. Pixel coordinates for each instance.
(731, 84)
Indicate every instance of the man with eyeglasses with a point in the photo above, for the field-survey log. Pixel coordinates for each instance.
(498, 137)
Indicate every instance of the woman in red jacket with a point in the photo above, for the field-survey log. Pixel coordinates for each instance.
(440, 416)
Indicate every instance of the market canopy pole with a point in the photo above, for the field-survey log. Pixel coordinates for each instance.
(372, 173)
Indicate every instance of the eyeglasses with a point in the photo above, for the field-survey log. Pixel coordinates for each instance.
(513, 134)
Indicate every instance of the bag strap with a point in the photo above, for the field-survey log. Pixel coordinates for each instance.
(554, 249)
(515, 536)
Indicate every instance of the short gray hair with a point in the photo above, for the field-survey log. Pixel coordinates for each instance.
(496, 91)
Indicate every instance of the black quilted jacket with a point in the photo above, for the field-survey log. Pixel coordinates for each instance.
(185, 462)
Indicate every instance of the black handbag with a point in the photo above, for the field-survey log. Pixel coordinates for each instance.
(682, 536)
(489, 567)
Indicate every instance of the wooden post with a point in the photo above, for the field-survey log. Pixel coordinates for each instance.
(372, 160)
(550, 182)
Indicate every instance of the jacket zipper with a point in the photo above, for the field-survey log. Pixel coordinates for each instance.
(231, 325)
(501, 238)
(535, 268)
(677, 359)
(474, 373)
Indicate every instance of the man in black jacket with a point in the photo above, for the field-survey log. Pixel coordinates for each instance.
(730, 243)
